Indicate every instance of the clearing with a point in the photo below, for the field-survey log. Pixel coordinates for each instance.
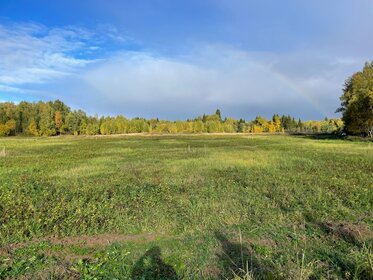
(186, 207)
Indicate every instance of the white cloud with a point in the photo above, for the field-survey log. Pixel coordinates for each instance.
(10, 89)
(31, 53)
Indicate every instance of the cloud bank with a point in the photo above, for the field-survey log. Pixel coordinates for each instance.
(69, 63)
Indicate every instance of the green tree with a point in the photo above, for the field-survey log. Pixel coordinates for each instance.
(138, 125)
(357, 102)
(108, 126)
(241, 126)
(218, 113)
(76, 122)
(46, 123)
(93, 126)
(300, 125)
(277, 122)
(230, 125)
(214, 126)
(121, 124)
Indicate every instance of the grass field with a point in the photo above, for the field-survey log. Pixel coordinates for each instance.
(186, 207)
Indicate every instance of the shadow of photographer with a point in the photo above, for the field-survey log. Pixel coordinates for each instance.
(151, 266)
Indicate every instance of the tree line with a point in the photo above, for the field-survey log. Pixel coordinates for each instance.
(56, 118)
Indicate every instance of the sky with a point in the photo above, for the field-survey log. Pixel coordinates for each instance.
(175, 59)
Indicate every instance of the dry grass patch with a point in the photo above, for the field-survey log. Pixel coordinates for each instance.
(3, 152)
(354, 233)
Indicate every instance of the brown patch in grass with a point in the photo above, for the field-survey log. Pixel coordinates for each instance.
(68, 256)
(266, 242)
(4, 252)
(211, 272)
(86, 240)
(3, 152)
(101, 239)
(353, 233)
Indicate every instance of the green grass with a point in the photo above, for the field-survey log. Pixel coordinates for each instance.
(270, 207)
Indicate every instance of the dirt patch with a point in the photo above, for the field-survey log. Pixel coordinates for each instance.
(68, 256)
(211, 272)
(4, 252)
(264, 242)
(101, 239)
(353, 233)
(86, 240)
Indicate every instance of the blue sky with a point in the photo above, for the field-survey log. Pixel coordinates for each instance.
(178, 59)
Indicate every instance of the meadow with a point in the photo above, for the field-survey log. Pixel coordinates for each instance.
(186, 207)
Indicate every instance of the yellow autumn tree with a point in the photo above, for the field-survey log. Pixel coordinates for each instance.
(198, 126)
(58, 121)
(32, 129)
(271, 127)
(277, 122)
(257, 129)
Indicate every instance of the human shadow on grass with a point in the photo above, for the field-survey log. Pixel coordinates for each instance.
(151, 267)
(237, 259)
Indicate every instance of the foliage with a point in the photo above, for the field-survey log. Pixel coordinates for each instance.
(32, 129)
(357, 102)
(55, 118)
(8, 128)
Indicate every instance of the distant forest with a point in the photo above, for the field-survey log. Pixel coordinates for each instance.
(55, 118)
